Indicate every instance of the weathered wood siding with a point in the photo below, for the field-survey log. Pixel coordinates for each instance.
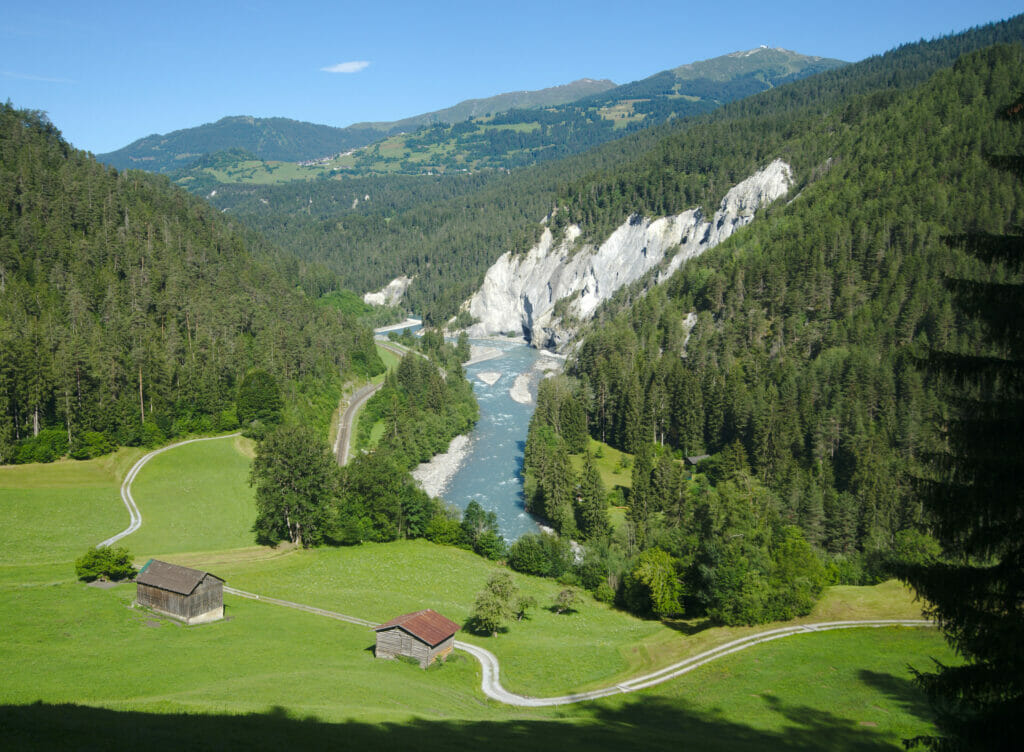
(206, 603)
(207, 597)
(156, 598)
(443, 649)
(394, 642)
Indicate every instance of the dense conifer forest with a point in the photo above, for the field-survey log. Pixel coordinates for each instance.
(802, 373)
(130, 311)
(424, 403)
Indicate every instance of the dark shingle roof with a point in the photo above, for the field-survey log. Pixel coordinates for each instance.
(171, 577)
(427, 625)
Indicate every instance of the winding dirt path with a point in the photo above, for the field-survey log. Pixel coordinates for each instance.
(491, 680)
(134, 515)
(491, 670)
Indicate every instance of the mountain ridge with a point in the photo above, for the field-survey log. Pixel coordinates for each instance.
(505, 131)
(314, 140)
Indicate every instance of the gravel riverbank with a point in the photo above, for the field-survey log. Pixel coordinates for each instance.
(434, 476)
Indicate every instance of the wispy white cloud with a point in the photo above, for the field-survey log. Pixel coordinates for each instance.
(353, 66)
(32, 77)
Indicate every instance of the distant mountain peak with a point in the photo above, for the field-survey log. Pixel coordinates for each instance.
(772, 61)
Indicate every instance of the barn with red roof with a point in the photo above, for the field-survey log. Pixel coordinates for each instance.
(422, 635)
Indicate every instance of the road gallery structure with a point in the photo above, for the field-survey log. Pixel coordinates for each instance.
(422, 635)
(190, 595)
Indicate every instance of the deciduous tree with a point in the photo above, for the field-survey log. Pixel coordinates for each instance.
(296, 482)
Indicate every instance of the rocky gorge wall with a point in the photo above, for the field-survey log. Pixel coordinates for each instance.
(519, 292)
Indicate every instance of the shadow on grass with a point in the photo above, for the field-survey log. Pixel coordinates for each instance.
(688, 626)
(648, 723)
(472, 626)
(901, 691)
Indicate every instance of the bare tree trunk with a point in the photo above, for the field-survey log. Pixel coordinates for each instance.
(142, 402)
(67, 413)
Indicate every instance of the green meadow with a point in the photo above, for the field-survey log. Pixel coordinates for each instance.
(194, 497)
(85, 669)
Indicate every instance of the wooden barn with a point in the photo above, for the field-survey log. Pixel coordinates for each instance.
(190, 595)
(423, 635)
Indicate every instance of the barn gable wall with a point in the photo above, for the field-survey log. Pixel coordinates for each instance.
(394, 642)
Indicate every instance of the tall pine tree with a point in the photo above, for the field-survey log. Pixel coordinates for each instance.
(977, 503)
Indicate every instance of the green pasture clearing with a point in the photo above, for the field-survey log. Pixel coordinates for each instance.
(514, 127)
(390, 359)
(380, 581)
(270, 677)
(74, 643)
(54, 512)
(263, 173)
(609, 464)
(622, 113)
(258, 673)
(375, 434)
(843, 690)
(194, 497)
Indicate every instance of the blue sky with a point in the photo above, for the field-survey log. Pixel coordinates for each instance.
(111, 72)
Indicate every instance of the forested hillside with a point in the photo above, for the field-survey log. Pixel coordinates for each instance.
(266, 138)
(130, 310)
(277, 139)
(802, 374)
(448, 239)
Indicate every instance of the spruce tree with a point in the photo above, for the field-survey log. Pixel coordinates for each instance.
(976, 592)
(592, 503)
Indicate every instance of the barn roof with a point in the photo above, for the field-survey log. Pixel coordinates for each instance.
(171, 577)
(427, 625)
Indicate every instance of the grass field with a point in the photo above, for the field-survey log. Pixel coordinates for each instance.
(390, 358)
(310, 678)
(54, 512)
(614, 466)
(273, 677)
(194, 498)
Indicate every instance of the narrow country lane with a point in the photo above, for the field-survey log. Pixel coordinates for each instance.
(360, 398)
(135, 517)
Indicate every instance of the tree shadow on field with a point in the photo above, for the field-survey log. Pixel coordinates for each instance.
(648, 723)
(688, 627)
(900, 690)
(472, 626)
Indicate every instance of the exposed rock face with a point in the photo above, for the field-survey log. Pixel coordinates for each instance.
(391, 294)
(519, 293)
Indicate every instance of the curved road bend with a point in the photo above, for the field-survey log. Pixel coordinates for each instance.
(348, 418)
(343, 443)
(134, 515)
(490, 668)
(490, 681)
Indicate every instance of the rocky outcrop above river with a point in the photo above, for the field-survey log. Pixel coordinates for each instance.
(390, 294)
(520, 292)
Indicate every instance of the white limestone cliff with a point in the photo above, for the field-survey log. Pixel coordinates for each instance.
(390, 294)
(519, 292)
